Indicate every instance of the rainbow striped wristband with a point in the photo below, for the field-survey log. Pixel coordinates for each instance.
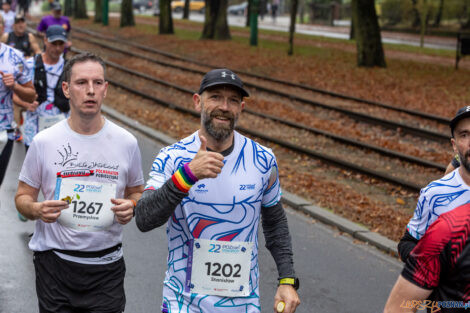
(183, 178)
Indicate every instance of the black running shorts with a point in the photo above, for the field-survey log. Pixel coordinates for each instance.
(69, 287)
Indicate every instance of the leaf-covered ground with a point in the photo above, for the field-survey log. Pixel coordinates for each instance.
(412, 80)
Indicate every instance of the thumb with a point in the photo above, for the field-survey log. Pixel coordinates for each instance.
(1, 73)
(203, 143)
(115, 201)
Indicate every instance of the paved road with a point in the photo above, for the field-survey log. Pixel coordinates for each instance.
(337, 275)
(282, 23)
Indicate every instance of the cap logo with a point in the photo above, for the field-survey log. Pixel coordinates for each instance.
(468, 108)
(225, 75)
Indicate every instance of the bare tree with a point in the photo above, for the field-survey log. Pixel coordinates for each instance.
(367, 33)
(127, 14)
(215, 22)
(68, 8)
(166, 20)
(186, 10)
(98, 11)
(248, 12)
(79, 11)
(293, 14)
(440, 9)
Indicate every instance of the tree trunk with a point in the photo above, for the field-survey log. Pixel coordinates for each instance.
(98, 11)
(248, 12)
(68, 8)
(293, 14)
(367, 32)
(416, 18)
(186, 10)
(467, 11)
(351, 29)
(424, 21)
(302, 12)
(127, 14)
(166, 20)
(437, 20)
(215, 22)
(80, 9)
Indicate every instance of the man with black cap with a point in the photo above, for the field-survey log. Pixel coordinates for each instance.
(51, 104)
(444, 194)
(211, 188)
(21, 39)
(56, 18)
(434, 245)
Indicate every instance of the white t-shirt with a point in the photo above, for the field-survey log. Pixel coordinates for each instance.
(440, 196)
(226, 208)
(46, 108)
(111, 155)
(12, 62)
(8, 20)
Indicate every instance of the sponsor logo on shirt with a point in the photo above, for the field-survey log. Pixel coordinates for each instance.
(201, 188)
(247, 186)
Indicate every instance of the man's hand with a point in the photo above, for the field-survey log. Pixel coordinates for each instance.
(32, 106)
(206, 164)
(123, 209)
(8, 80)
(49, 211)
(289, 296)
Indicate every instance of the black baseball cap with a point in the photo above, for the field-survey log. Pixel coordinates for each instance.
(19, 18)
(56, 6)
(222, 76)
(461, 114)
(55, 33)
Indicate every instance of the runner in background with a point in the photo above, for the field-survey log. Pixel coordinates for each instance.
(89, 172)
(56, 18)
(212, 188)
(15, 78)
(8, 16)
(48, 67)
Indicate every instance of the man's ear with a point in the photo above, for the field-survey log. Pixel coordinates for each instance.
(65, 89)
(197, 102)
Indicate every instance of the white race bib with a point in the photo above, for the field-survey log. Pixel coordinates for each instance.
(89, 204)
(220, 268)
(48, 121)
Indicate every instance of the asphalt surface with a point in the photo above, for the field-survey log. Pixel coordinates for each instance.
(337, 273)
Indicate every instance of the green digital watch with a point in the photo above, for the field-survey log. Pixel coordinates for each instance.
(293, 281)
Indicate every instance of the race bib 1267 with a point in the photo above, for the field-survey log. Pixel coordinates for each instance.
(89, 204)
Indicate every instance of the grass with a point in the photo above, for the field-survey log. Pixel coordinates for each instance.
(319, 39)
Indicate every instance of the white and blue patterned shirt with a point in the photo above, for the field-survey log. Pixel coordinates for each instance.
(225, 208)
(11, 62)
(438, 197)
(46, 108)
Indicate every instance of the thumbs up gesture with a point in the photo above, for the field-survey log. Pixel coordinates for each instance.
(8, 79)
(206, 164)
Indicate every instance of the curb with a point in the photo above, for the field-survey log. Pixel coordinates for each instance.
(296, 202)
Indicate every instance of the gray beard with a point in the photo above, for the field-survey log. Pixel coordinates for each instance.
(218, 133)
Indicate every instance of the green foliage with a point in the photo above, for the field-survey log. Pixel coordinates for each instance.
(394, 12)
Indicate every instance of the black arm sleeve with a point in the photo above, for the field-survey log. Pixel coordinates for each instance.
(156, 206)
(406, 245)
(278, 240)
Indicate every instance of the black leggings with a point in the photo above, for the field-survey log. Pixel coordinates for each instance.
(4, 158)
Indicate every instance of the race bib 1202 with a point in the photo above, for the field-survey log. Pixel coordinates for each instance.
(219, 268)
